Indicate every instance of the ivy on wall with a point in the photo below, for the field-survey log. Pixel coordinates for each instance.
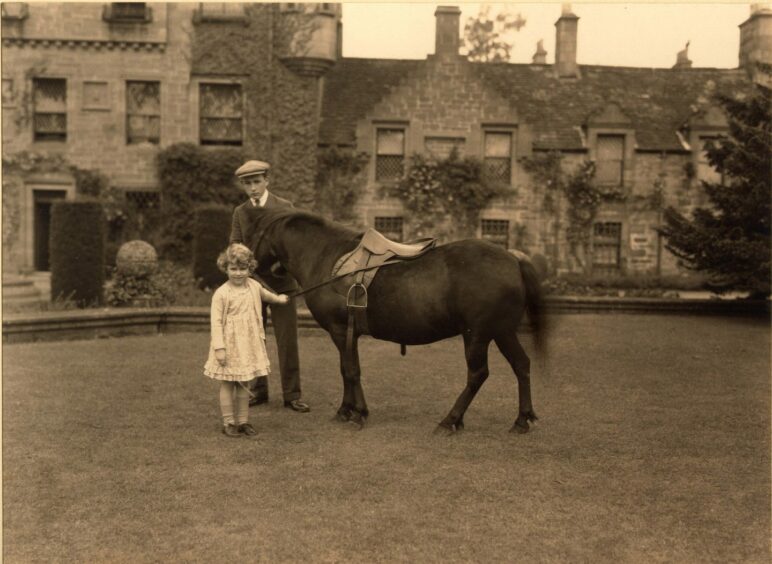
(435, 190)
(340, 181)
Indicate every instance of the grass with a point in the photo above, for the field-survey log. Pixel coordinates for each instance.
(653, 446)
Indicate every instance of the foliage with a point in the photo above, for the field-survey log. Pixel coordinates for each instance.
(730, 240)
(620, 285)
(127, 289)
(77, 251)
(189, 176)
(435, 189)
(577, 187)
(211, 232)
(340, 179)
(489, 40)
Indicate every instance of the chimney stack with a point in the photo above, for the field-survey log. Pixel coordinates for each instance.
(447, 35)
(540, 57)
(565, 43)
(682, 58)
(756, 38)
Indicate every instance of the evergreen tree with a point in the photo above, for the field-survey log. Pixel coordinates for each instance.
(730, 240)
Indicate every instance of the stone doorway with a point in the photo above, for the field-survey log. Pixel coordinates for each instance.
(43, 200)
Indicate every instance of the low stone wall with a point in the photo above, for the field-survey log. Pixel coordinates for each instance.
(115, 322)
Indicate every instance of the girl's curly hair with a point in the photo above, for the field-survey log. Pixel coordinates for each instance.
(237, 254)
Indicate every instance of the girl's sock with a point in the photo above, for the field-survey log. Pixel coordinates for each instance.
(242, 403)
(226, 402)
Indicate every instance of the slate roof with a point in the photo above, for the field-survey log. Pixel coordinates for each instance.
(657, 101)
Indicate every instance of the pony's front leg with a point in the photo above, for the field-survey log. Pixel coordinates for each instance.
(353, 408)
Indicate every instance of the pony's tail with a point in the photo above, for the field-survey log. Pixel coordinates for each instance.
(534, 303)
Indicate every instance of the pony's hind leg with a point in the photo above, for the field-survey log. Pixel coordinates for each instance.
(510, 347)
(476, 352)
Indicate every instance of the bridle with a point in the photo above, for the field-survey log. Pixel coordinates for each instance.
(315, 286)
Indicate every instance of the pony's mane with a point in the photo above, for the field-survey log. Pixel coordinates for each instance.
(313, 220)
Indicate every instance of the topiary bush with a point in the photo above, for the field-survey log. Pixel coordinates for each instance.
(211, 232)
(77, 252)
(136, 281)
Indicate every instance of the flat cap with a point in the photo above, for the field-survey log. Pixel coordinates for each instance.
(253, 168)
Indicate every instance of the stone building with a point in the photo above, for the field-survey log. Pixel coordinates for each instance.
(107, 86)
(643, 128)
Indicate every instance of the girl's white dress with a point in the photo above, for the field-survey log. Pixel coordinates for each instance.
(237, 326)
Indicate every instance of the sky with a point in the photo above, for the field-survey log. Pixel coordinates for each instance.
(619, 34)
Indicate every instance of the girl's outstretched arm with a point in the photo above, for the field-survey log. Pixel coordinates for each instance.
(271, 298)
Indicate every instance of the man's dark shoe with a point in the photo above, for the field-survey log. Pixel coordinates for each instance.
(297, 405)
(247, 429)
(230, 430)
(258, 400)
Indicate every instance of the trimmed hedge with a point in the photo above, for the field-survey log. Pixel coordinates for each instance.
(77, 252)
(190, 176)
(211, 232)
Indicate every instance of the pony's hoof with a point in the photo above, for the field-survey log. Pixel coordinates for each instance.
(358, 421)
(519, 428)
(341, 417)
(446, 429)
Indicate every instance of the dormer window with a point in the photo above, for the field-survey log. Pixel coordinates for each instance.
(128, 12)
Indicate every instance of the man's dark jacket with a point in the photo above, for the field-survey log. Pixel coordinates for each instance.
(241, 233)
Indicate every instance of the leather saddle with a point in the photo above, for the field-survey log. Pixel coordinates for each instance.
(373, 251)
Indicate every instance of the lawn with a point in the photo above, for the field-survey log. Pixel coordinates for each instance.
(653, 445)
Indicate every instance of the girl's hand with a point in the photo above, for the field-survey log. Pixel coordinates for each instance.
(219, 354)
(283, 299)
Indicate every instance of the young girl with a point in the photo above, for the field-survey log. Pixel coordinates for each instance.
(237, 351)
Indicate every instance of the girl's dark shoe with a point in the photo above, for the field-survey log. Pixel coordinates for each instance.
(230, 430)
(247, 429)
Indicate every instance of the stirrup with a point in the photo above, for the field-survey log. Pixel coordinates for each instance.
(349, 303)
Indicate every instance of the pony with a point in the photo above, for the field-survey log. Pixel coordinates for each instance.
(471, 288)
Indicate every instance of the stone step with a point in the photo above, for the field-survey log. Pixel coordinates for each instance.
(18, 290)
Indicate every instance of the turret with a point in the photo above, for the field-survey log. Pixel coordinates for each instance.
(307, 37)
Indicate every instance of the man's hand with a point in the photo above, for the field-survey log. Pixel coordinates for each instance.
(219, 354)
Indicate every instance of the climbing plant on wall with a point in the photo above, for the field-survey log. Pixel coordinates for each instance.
(435, 190)
(340, 180)
(190, 176)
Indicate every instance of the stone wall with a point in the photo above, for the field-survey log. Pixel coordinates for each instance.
(96, 132)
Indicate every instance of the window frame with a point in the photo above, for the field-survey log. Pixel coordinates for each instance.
(621, 162)
(388, 232)
(36, 136)
(199, 85)
(598, 243)
(378, 156)
(507, 177)
(112, 13)
(494, 236)
(153, 141)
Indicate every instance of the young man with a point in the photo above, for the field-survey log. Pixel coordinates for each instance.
(253, 179)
